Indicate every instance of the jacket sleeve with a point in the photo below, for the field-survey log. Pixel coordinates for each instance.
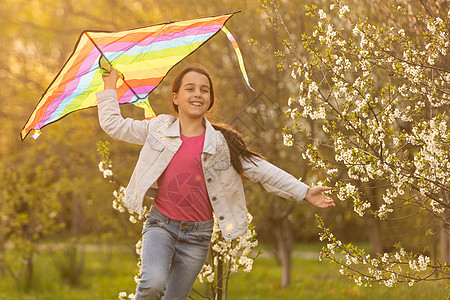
(274, 179)
(112, 122)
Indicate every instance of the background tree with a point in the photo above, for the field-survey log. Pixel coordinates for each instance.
(27, 217)
(379, 96)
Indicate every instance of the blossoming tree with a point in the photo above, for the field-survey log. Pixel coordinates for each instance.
(376, 102)
(226, 258)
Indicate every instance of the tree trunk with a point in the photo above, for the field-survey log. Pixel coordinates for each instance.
(283, 235)
(373, 230)
(28, 276)
(373, 224)
(2, 258)
(219, 281)
(76, 215)
(445, 241)
(445, 246)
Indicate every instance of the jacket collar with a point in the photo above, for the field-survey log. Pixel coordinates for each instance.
(209, 145)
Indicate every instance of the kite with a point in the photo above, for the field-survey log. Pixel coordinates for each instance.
(143, 57)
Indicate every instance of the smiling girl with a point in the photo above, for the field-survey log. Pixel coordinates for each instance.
(192, 168)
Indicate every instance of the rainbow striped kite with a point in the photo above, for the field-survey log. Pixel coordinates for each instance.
(144, 56)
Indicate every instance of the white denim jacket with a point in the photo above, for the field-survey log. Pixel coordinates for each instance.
(160, 138)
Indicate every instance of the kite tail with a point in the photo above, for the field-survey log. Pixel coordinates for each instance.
(238, 54)
(36, 134)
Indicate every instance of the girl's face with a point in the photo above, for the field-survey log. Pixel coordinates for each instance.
(193, 97)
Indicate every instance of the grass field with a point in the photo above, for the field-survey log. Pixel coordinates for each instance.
(108, 271)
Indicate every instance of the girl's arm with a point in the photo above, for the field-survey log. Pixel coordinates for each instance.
(111, 121)
(283, 184)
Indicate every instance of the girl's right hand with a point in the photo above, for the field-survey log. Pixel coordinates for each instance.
(316, 197)
(110, 81)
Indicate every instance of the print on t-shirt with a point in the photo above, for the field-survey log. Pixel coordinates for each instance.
(182, 193)
(185, 190)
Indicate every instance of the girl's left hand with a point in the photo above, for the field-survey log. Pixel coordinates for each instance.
(110, 81)
(316, 198)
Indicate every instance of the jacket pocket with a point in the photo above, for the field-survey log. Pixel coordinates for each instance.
(222, 165)
(156, 145)
(224, 172)
(151, 150)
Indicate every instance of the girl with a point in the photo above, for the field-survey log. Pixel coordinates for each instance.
(192, 168)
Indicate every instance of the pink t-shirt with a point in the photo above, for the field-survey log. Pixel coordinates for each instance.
(182, 191)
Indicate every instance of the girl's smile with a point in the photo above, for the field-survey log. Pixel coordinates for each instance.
(193, 98)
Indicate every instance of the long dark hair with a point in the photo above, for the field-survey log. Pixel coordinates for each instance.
(236, 144)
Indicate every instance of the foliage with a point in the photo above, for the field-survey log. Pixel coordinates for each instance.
(387, 268)
(26, 216)
(376, 100)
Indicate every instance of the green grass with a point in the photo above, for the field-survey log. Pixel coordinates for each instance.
(312, 279)
(105, 274)
(109, 272)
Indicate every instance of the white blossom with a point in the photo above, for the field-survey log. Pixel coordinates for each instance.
(343, 10)
(139, 247)
(431, 27)
(313, 87)
(322, 14)
(101, 166)
(287, 140)
(107, 173)
(383, 211)
(437, 208)
(234, 254)
(290, 101)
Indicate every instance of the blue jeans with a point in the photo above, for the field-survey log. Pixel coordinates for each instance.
(173, 253)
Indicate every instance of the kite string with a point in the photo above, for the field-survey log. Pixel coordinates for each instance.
(238, 54)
